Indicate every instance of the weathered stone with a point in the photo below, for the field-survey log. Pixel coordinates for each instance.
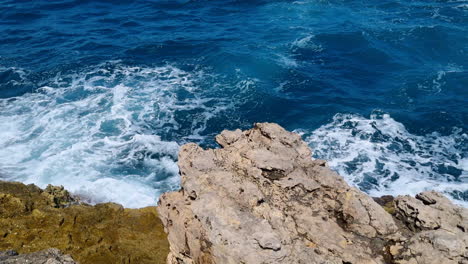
(59, 196)
(442, 230)
(32, 219)
(262, 199)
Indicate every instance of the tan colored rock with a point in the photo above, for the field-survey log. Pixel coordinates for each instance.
(442, 227)
(262, 199)
(430, 211)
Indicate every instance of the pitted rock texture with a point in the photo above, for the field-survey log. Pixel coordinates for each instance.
(260, 198)
(32, 219)
(442, 230)
(49, 256)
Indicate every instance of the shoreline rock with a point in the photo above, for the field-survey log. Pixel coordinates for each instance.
(32, 219)
(260, 198)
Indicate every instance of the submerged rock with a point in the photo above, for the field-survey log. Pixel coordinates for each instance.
(32, 220)
(260, 198)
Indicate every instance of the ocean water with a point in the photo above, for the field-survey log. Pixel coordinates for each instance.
(98, 96)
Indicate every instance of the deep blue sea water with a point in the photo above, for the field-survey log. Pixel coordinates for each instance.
(99, 95)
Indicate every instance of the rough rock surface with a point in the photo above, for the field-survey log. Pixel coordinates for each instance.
(49, 256)
(260, 198)
(441, 230)
(32, 219)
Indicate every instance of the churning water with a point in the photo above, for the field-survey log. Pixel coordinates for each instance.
(99, 96)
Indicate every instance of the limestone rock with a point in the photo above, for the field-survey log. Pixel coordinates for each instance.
(32, 219)
(430, 211)
(49, 256)
(442, 227)
(260, 198)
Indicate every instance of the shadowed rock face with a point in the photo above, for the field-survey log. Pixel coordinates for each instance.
(260, 198)
(32, 220)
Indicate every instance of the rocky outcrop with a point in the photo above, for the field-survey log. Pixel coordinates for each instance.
(260, 198)
(33, 220)
(440, 230)
(49, 256)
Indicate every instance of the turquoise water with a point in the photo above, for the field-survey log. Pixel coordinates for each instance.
(98, 97)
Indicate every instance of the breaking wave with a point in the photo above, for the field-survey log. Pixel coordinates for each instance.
(380, 156)
(106, 132)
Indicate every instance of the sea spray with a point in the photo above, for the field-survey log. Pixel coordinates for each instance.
(99, 131)
(380, 156)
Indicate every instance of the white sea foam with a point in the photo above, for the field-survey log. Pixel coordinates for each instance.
(380, 156)
(434, 85)
(307, 42)
(286, 62)
(99, 131)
